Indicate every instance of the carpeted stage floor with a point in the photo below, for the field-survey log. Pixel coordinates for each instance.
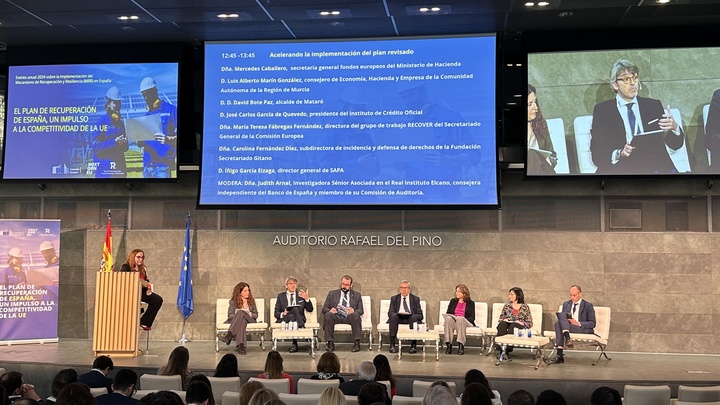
(575, 379)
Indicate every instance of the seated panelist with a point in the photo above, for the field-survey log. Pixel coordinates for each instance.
(577, 316)
(404, 309)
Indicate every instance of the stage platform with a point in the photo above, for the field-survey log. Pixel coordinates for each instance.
(575, 379)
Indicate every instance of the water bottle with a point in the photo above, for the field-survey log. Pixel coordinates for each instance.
(283, 325)
(529, 333)
(517, 332)
(294, 325)
(415, 326)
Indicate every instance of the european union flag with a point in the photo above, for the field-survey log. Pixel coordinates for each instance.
(185, 290)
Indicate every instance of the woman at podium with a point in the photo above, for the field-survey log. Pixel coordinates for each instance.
(136, 263)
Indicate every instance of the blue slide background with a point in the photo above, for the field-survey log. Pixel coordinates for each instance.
(241, 107)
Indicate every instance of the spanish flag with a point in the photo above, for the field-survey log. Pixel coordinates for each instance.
(107, 257)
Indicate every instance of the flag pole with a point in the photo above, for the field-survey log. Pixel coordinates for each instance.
(185, 282)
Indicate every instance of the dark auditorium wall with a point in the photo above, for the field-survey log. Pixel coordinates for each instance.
(657, 271)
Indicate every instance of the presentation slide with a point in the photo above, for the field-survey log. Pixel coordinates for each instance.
(367, 122)
(630, 112)
(91, 121)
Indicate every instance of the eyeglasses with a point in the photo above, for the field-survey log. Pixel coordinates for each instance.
(139, 257)
(628, 79)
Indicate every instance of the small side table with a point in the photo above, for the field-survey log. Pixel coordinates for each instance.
(536, 342)
(412, 335)
(304, 333)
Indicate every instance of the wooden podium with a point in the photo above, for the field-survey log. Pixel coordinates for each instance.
(117, 314)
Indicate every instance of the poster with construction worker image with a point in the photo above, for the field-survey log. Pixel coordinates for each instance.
(29, 280)
(95, 121)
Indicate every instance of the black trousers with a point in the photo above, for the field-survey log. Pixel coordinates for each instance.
(154, 302)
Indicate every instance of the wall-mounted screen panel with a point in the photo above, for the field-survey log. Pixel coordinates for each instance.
(407, 122)
(631, 112)
(91, 121)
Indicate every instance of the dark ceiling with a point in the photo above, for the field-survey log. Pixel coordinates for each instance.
(39, 22)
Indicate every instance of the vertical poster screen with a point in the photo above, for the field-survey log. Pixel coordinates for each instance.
(406, 122)
(30, 259)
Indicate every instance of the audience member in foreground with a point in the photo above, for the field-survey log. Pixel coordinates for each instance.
(161, 398)
(260, 397)
(439, 395)
(15, 387)
(521, 397)
(475, 394)
(384, 373)
(203, 378)
(365, 374)
(198, 393)
(274, 369)
(75, 394)
(332, 396)
(247, 390)
(61, 380)
(123, 386)
(550, 397)
(227, 366)
(328, 368)
(605, 396)
(97, 377)
(373, 393)
(178, 365)
(477, 376)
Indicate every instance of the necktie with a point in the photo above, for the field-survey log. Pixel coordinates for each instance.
(405, 305)
(632, 120)
(292, 299)
(574, 311)
(345, 300)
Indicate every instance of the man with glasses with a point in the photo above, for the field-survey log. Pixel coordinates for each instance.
(404, 309)
(291, 306)
(343, 306)
(629, 132)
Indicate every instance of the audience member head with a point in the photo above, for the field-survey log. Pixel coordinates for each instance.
(125, 382)
(439, 395)
(62, 379)
(12, 381)
(439, 382)
(274, 365)
(247, 390)
(227, 366)
(177, 364)
(366, 371)
(372, 393)
(103, 363)
(203, 378)
(462, 291)
(476, 394)
(605, 396)
(161, 398)
(382, 370)
(519, 295)
(25, 401)
(3, 396)
(550, 397)
(328, 363)
(332, 396)
(261, 396)
(276, 401)
(75, 394)
(477, 376)
(198, 393)
(521, 397)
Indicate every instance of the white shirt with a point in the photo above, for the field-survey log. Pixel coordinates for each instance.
(575, 310)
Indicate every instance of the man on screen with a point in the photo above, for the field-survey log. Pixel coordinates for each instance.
(159, 155)
(109, 140)
(630, 133)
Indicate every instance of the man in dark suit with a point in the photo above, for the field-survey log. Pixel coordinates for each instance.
(343, 306)
(97, 377)
(404, 309)
(712, 132)
(630, 133)
(291, 306)
(577, 316)
(365, 374)
(123, 386)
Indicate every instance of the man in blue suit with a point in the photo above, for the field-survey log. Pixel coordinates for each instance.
(577, 316)
(97, 377)
(404, 309)
(291, 306)
(124, 385)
